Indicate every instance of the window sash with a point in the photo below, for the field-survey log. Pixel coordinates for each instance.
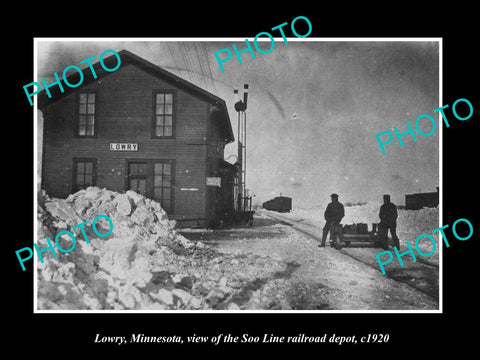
(163, 114)
(86, 114)
(138, 184)
(85, 173)
(138, 169)
(162, 184)
(152, 178)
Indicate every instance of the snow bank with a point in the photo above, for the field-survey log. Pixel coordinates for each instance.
(143, 264)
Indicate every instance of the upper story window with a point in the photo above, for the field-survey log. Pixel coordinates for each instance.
(164, 112)
(86, 114)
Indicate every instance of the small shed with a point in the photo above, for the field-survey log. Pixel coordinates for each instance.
(420, 200)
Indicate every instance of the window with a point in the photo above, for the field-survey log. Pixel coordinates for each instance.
(86, 114)
(163, 114)
(85, 173)
(162, 184)
(153, 179)
(137, 177)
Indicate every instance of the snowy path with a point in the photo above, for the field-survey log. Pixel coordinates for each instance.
(318, 278)
(421, 274)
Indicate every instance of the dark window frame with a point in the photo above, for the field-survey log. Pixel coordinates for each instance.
(76, 130)
(150, 176)
(75, 186)
(162, 187)
(173, 92)
(138, 176)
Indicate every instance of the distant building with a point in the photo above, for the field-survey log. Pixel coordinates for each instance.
(145, 129)
(279, 203)
(421, 200)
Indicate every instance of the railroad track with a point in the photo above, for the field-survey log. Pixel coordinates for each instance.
(421, 275)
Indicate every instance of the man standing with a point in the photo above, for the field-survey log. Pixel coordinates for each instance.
(388, 220)
(333, 215)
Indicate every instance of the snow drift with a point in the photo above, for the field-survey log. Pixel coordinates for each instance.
(144, 264)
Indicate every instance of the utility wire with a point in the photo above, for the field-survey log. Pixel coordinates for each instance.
(171, 54)
(183, 55)
(174, 59)
(201, 67)
(205, 53)
(180, 51)
(191, 62)
(191, 71)
(188, 70)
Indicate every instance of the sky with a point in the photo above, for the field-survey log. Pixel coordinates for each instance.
(314, 108)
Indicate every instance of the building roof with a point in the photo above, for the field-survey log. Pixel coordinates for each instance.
(129, 58)
(423, 194)
(419, 194)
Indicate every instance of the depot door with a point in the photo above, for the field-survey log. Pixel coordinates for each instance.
(153, 179)
(138, 177)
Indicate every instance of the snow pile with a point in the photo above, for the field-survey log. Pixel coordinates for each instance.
(142, 264)
(419, 222)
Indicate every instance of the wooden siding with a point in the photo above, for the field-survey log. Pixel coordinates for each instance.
(124, 114)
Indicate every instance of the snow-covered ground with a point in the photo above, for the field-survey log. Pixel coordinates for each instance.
(322, 278)
(146, 264)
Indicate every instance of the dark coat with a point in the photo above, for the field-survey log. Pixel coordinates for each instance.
(334, 212)
(388, 213)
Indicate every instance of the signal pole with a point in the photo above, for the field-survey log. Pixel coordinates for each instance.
(241, 107)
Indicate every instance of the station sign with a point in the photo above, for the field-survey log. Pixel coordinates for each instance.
(123, 147)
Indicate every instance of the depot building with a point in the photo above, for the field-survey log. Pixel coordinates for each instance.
(140, 128)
